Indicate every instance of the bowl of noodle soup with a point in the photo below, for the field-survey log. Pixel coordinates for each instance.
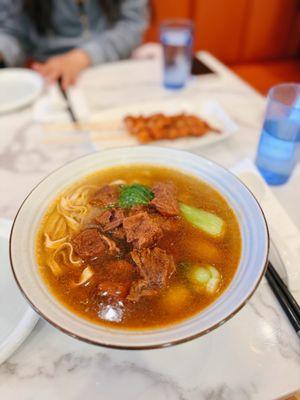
(49, 265)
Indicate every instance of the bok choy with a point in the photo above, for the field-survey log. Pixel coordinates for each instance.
(205, 278)
(203, 220)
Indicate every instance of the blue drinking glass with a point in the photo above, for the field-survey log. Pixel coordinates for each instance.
(176, 37)
(279, 145)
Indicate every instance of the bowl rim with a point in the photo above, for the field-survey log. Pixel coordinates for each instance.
(140, 347)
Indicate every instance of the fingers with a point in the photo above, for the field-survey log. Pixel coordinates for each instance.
(51, 70)
(36, 66)
(40, 68)
(69, 78)
(67, 67)
(52, 76)
(66, 80)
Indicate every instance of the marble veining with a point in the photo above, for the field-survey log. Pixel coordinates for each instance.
(137, 381)
(282, 335)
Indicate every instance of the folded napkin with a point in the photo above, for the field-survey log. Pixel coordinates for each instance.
(283, 232)
(52, 108)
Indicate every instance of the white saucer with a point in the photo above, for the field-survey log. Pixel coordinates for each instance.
(17, 319)
(19, 87)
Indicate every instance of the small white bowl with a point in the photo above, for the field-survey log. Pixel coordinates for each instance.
(255, 247)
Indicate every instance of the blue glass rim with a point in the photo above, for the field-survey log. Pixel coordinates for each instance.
(294, 85)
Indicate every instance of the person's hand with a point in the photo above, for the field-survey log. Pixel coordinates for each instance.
(66, 66)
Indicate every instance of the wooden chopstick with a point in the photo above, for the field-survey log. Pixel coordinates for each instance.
(285, 298)
(66, 97)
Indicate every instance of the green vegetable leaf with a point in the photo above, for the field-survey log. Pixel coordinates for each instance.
(203, 220)
(135, 194)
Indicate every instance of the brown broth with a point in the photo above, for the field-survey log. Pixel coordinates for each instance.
(187, 245)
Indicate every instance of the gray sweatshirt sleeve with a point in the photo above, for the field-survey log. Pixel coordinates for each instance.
(119, 41)
(12, 33)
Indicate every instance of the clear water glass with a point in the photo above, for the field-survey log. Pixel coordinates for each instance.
(176, 37)
(278, 150)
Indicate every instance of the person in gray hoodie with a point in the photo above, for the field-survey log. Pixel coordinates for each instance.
(63, 37)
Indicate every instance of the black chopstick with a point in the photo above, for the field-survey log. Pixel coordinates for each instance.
(284, 296)
(284, 288)
(66, 97)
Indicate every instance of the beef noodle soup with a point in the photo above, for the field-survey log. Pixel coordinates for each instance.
(138, 246)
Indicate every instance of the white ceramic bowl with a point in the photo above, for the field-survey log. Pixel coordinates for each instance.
(255, 246)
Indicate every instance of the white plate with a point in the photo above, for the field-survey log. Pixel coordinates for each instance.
(111, 132)
(17, 319)
(19, 87)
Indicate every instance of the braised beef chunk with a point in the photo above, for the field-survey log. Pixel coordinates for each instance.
(155, 267)
(110, 219)
(118, 233)
(89, 244)
(108, 195)
(141, 230)
(116, 277)
(165, 200)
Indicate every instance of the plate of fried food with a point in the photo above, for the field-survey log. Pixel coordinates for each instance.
(186, 124)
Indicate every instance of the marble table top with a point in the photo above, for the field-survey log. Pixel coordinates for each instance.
(255, 355)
